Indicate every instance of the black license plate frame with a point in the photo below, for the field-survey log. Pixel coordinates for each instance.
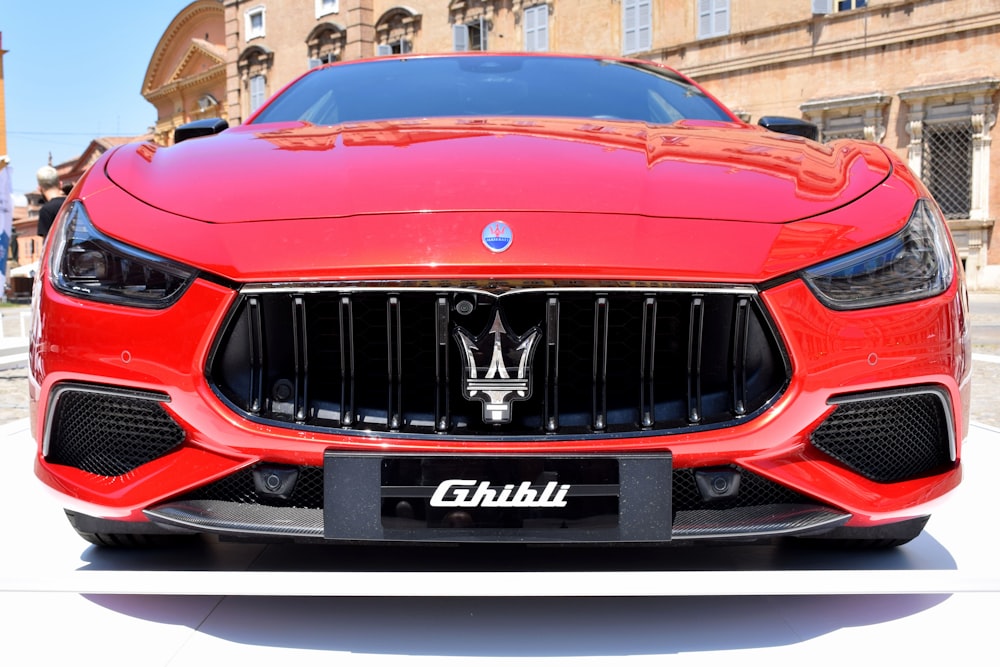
(358, 487)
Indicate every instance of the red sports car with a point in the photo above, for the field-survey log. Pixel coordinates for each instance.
(500, 298)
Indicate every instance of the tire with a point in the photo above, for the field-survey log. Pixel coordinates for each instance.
(112, 534)
(879, 537)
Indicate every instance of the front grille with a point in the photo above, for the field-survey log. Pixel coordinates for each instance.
(109, 431)
(889, 436)
(550, 361)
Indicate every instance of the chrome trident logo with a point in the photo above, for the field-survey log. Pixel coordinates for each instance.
(497, 367)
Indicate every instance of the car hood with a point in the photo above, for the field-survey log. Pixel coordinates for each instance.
(691, 170)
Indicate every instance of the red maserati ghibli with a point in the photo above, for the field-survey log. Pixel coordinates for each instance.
(499, 298)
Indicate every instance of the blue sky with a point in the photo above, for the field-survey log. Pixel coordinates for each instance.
(73, 72)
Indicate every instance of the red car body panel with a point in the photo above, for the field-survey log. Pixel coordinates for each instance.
(561, 166)
(689, 204)
(552, 242)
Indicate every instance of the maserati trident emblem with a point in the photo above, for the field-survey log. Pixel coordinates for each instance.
(497, 367)
(497, 236)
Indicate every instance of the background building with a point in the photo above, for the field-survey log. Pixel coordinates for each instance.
(186, 77)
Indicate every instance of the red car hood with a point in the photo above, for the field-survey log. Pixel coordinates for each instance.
(689, 170)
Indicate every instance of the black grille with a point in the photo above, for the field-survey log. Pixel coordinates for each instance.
(754, 491)
(614, 362)
(109, 432)
(890, 437)
(240, 488)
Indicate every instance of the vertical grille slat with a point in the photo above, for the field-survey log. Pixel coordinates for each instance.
(301, 350)
(551, 398)
(741, 324)
(346, 319)
(394, 352)
(647, 404)
(694, 355)
(602, 361)
(442, 321)
(256, 348)
(600, 377)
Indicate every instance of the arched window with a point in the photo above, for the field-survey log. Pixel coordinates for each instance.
(325, 44)
(254, 64)
(395, 31)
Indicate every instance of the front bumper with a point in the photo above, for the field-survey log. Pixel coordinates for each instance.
(791, 483)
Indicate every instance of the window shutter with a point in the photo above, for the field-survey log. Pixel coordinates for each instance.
(721, 19)
(314, 62)
(405, 46)
(704, 18)
(637, 25)
(713, 18)
(383, 50)
(645, 17)
(630, 27)
(460, 37)
(822, 6)
(257, 91)
(536, 28)
(483, 29)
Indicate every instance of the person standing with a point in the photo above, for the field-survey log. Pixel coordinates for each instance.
(48, 185)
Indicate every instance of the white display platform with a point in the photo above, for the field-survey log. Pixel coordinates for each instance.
(937, 598)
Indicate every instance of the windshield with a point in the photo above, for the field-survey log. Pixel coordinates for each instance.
(494, 85)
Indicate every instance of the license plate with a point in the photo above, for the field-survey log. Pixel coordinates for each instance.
(487, 498)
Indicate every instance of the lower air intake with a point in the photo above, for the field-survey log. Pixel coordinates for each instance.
(890, 436)
(109, 431)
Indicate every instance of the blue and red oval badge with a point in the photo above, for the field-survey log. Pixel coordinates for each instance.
(497, 236)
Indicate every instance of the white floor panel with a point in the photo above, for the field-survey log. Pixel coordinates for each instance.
(938, 597)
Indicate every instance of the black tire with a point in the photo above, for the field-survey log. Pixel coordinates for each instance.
(880, 537)
(126, 534)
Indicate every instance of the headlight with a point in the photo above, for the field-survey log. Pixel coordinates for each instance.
(87, 264)
(914, 264)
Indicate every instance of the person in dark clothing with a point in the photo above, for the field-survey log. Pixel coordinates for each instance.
(48, 185)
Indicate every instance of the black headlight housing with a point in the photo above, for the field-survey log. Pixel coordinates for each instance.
(915, 263)
(88, 264)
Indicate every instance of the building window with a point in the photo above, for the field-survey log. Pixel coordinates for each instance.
(258, 91)
(325, 44)
(395, 31)
(470, 36)
(637, 26)
(848, 5)
(950, 127)
(947, 166)
(394, 48)
(254, 23)
(253, 64)
(536, 28)
(324, 7)
(853, 117)
(713, 18)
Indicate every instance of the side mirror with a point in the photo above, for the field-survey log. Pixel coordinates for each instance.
(199, 128)
(796, 126)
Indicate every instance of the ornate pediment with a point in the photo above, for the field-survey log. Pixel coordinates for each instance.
(201, 57)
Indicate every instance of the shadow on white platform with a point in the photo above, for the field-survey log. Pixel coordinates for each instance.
(60, 599)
